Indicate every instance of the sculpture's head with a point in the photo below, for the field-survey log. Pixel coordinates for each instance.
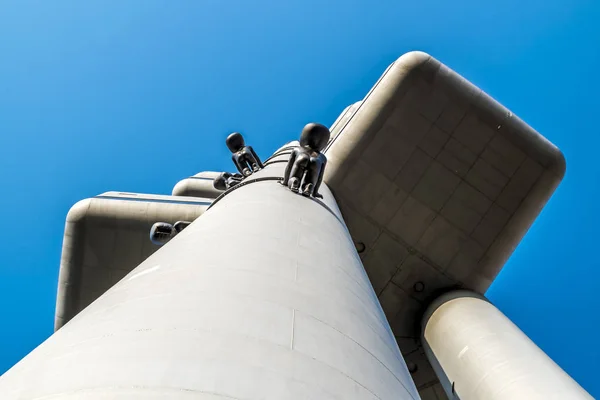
(220, 182)
(314, 136)
(235, 142)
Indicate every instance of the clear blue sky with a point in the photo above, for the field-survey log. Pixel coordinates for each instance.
(94, 93)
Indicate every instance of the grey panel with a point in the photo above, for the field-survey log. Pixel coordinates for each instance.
(439, 181)
(106, 237)
(199, 185)
(343, 119)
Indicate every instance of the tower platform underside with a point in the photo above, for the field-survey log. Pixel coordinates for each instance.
(437, 184)
(440, 183)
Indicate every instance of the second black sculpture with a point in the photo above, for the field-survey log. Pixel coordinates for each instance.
(244, 157)
(226, 180)
(162, 232)
(306, 166)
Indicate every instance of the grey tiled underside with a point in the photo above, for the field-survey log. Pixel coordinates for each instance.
(428, 197)
(113, 245)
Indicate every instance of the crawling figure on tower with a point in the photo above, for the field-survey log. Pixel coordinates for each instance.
(244, 157)
(162, 232)
(227, 180)
(305, 168)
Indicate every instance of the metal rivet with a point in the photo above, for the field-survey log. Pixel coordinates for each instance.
(412, 367)
(360, 247)
(419, 286)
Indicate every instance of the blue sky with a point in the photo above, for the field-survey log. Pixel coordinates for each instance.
(92, 93)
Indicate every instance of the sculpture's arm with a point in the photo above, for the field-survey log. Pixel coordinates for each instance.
(316, 193)
(260, 164)
(288, 168)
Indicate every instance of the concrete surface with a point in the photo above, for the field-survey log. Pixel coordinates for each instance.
(199, 185)
(106, 237)
(343, 119)
(262, 297)
(480, 354)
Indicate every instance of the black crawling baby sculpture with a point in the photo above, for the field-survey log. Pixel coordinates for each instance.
(244, 157)
(162, 232)
(227, 180)
(305, 168)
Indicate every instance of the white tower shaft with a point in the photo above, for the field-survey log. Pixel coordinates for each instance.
(262, 297)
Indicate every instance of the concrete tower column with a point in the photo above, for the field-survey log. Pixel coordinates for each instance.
(478, 353)
(262, 297)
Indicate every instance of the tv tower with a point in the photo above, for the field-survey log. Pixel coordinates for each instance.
(350, 264)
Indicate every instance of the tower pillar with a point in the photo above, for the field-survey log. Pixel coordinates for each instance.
(478, 353)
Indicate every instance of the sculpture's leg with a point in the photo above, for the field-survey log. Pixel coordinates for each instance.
(297, 172)
(247, 169)
(322, 162)
(252, 160)
(294, 184)
(307, 188)
(311, 178)
(288, 168)
(246, 161)
(240, 164)
(259, 164)
(232, 181)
